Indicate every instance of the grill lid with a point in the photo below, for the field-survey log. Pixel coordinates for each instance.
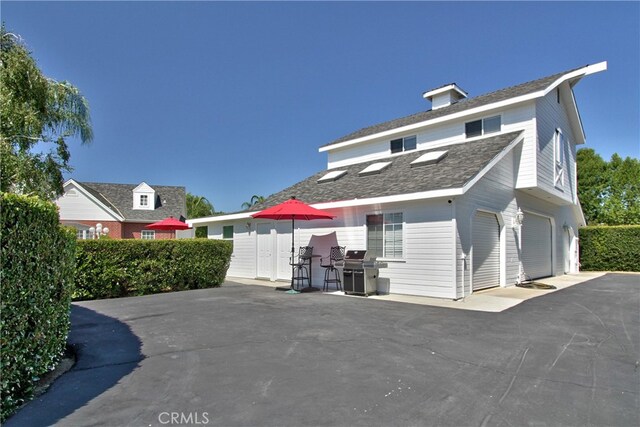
(355, 255)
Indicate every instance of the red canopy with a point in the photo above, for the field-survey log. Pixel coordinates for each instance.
(293, 209)
(169, 224)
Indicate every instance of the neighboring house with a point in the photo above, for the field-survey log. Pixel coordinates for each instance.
(471, 194)
(125, 209)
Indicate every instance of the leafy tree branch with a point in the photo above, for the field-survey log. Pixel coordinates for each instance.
(36, 112)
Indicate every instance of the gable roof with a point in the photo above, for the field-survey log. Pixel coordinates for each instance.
(459, 167)
(524, 89)
(170, 200)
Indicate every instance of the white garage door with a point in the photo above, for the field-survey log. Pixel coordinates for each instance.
(486, 251)
(536, 246)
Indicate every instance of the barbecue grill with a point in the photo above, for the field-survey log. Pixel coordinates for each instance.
(360, 272)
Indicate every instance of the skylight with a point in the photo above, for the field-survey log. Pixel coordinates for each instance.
(332, 176)
(429, 158)
(374, 168)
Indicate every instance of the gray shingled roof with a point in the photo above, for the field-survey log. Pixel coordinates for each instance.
(465, 104)
(170, 200)
(462, 163)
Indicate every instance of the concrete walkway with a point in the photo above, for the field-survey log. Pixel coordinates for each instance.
(490, 300)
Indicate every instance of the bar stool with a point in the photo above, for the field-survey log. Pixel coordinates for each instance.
(300, 270)
(329, 264)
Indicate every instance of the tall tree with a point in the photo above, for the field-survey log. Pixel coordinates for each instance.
(255, 199)
(591, 183)
(198, 207)
(36, 112)
(621, 204)
(609, 192)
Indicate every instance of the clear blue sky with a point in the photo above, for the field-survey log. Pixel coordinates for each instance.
(234, 99)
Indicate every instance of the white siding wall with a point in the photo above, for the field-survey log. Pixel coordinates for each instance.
(428, 266)
(76, 206)
(553, 115)
(244, 247)
(358, 153)
(493, 193)
(523, 118)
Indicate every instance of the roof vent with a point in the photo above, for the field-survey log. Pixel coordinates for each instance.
(444, 96)
(429, 158)
(332, 176)
(374, 168)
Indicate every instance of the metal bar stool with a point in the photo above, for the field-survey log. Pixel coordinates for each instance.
(329, 264)
(301, 272)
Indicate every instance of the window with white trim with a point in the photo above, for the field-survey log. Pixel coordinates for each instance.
(559, 147)
(144, 200)
(483, 126)
(403, 144)
(83, 234)
(385, 235)
(148, 235)
(227, 232)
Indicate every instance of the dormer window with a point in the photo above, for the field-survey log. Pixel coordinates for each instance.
(403, 144)
(483, 126)
(144, 197)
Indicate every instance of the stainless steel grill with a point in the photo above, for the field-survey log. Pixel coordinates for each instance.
(360, 272)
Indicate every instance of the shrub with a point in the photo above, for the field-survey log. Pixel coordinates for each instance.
(38, 257)
(615, 248)
(119, 268)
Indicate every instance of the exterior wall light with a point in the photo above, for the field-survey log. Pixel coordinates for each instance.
(518, 219)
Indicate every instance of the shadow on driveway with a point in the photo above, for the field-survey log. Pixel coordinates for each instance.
(94, 372)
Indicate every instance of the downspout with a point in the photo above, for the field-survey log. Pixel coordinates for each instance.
(454, 223)
(517, 224)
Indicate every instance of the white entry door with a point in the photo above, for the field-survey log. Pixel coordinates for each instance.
(265, 250)
(283, 229)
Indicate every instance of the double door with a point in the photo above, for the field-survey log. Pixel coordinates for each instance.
(274, 250)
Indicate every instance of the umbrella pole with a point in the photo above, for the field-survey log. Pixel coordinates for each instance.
(293, 231)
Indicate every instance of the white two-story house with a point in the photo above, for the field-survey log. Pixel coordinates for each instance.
(473, 193)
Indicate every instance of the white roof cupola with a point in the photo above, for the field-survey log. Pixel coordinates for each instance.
(444, 96)
(144, 197)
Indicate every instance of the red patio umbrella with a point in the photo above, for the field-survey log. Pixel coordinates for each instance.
(293, 209)
(169, 224)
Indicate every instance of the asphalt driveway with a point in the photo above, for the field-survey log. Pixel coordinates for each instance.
(246, 355)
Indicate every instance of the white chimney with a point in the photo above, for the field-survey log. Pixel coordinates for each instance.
(444, 96)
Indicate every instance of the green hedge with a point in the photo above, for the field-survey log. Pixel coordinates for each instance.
(119, 268)
(36, 279)
(610, 248)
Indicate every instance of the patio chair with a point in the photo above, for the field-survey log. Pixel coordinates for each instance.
(300, 266)
(329, 264)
